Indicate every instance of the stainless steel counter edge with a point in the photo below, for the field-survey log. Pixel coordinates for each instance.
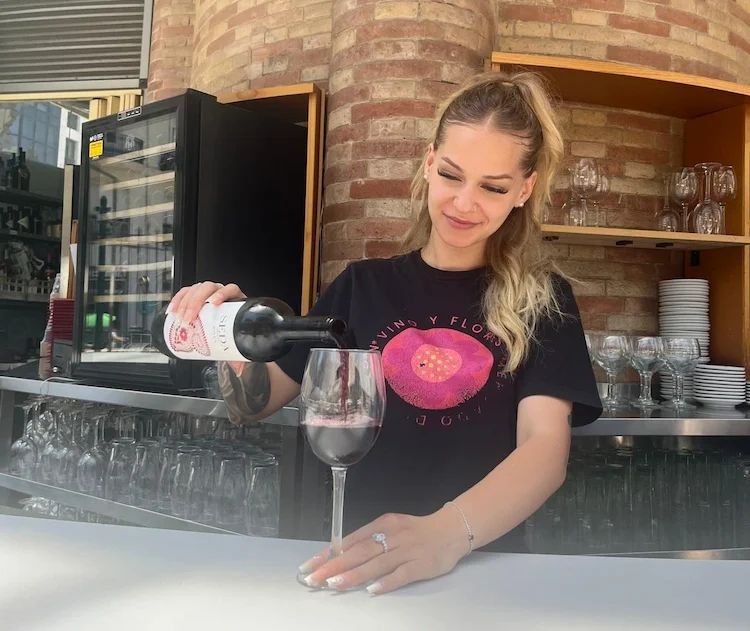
(700, 422)
(123, 512)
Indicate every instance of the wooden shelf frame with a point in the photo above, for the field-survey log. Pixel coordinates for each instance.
(305, 104)
(717, 128)
(625, 237)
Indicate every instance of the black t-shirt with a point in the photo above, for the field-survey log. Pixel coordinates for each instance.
(451, 411)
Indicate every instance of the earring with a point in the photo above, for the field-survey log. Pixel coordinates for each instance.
(426, 177)
(521, 204)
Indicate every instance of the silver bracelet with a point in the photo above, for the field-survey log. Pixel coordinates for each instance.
(466, 523)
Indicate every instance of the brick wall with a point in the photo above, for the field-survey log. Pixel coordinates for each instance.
(244, 43)
(704, 37)
(386, 64)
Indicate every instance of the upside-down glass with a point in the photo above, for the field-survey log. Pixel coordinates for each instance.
(707, 214)
(23, 452)
(646, 357)
(725, 189)
(683, 187)
(667, 219)
(342, 405)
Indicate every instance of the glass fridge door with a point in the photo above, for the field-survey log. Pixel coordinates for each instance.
(130, 256)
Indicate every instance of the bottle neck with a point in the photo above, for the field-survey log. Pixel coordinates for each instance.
(304, 329)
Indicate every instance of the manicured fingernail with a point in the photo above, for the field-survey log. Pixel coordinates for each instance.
(309, 581)
(335, 580)
(374, 588)
(308, 566)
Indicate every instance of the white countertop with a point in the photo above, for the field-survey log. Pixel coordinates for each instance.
(60, 576)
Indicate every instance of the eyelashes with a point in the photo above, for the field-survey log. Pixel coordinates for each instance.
(453, 178)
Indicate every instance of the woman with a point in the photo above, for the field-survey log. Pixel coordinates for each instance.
(482, 346)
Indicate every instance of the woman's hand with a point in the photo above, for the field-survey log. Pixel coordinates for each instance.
(419, 548)
(189, 300)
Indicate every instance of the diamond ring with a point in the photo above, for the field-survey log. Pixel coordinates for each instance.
(379, 537)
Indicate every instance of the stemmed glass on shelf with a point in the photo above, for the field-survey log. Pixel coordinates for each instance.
(611, 352)
(24, 452)
(342, 405)
(646, 356)
(584, 178)
(681, 354)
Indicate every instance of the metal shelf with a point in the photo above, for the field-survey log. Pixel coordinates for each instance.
(197, 406)
(27, 236)
(142, 181)
(699, 422)
(16, 196)
(123, 512)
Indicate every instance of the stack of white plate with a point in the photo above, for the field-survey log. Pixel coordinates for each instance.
(719, 386)
(747, 393)
(683, 311)
(667, 385)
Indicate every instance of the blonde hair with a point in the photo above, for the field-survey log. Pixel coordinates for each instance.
(521, 290)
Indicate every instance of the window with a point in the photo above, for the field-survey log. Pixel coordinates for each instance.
(72, 120)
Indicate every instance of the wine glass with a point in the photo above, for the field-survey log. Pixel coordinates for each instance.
(667, 219)
(683, 187)
(725, 189)
(598, 216)
(646, 357)
(611, 352)
(680, 354)
(23, 452)
(584, 179)
(342, 404)
(707, 214)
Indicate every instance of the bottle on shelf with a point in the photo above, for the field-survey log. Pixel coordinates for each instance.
(11, 173)
(45, 346)
(24, 176)
(2, 172)
(257, 329)
(10, 218)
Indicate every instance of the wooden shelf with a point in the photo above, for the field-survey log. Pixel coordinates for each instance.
(631, 87)
(134, 240)
(623, 237)
(143, 181)
(289, 103)
(133, 298)
(135, 267)
(153, 209)
(135, 155)
(15, 196)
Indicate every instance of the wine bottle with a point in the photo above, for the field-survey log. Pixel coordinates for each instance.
(258, 329)
(24, 176)
(11, 173)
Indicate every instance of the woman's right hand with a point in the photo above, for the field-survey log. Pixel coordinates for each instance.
(189, 300)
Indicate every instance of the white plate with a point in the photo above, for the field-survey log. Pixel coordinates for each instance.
(710, 383)
(683, 281)
(722, 368)
(721, 389)
(719, 403)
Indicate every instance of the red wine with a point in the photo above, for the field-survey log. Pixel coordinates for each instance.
(341, 442)
(258, 329)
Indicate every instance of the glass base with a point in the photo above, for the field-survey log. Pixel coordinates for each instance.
(325, 588)
(680, 406)
(646, 404)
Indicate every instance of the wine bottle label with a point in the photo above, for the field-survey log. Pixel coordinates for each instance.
(210, 336)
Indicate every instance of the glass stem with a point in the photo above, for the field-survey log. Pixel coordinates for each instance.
(611, 381)
(337, 522)
(646, 386)
(679, 380)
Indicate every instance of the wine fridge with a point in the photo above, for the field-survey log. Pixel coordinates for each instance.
(173, 193)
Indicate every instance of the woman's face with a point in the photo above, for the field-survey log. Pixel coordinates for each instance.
(475, 182)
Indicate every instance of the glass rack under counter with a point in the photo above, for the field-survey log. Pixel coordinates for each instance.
(103, 455)
(137, 447)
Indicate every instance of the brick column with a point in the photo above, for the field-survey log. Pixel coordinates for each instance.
(391, 63)
(171, 48)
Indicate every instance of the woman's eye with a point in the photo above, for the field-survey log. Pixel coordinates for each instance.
(447, 175)
(499, 191)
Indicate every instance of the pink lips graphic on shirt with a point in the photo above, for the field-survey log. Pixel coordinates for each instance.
(436, 369)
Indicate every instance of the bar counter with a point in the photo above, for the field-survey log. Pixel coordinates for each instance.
(69, 576)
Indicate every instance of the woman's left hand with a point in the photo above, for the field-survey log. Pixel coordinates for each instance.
(419, 548)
